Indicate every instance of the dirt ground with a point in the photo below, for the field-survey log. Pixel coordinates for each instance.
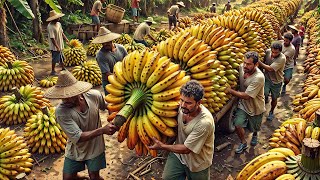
(121, 161)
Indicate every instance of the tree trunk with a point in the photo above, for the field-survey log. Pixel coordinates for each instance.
(144, 8)
(37, 29)
(3, 30)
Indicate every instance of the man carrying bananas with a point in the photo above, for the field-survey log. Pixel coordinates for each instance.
(192, 153)
(274, 63)
(78, 115)
(251, 104)
(173, 14)
(144, 30)
(109, 54)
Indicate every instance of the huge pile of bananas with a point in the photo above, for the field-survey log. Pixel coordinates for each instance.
(44, 134)
(88, 71)
(14, 156)
(150, 84)
(185, 22)
(15, 74)
(93, 49)
(48, 81)
(75, 53)
(17, 108)
(124, 39)
(134, 46)
(6, 55)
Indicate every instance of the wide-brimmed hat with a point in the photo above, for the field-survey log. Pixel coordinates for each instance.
(105, 35)
(54, 15)
(295, 27)
(181, 4)
(150, 19)
(213, 3)
(67, 86)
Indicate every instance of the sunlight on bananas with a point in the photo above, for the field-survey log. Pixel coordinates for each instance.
(43, 134)
(88, 71)
(75, 53)
(93, 49)
(6, 55)
(124, 39)
(134, 46)
(48, 81)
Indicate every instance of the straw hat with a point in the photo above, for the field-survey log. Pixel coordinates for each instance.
(150, 19)
(54, 15)
(105, 35)
(181, 4)
(67, 86)
(295, 27)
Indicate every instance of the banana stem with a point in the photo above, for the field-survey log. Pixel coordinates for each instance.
(310, 155)
(137, 98)
(45, 110)
(16, 93)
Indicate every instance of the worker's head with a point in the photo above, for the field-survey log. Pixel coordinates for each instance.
(54, 16)
(287, 38)
(103, 1)
(150, 21)
(276, 48)
(250, 62)
(213, 4)
(294, 28)
(105, 37)
(181, 4)
(191, 95)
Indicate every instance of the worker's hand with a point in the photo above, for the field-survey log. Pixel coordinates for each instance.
(110, 129)
(157, 144)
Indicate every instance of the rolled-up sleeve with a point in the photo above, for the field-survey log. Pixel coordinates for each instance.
(70, 127)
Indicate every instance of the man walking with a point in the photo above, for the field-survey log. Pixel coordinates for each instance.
(109, 54)
(78, 115)
(144, 30)
(95, 12)
(227, 7)
(296, 41)
(251, 104)
(173, 14)
(192, 153)
(135, 10)
(213, 8)
(55, 39)
(289, 51)
(274, 62)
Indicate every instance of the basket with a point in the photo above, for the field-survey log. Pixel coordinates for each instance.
(114, 13)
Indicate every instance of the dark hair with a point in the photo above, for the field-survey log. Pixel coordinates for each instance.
(252, 54)
(288, 35)
(276, 45)
(193, 89)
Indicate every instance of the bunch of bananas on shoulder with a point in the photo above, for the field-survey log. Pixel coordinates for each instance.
(75, 53)
(43, 134)
(48, 81)
(15, 74)
(18, 107)
(124, 39)
(6, 55)
(150, 85)
(133, 46)
(93, 49)
(14, 155)
(88, 71)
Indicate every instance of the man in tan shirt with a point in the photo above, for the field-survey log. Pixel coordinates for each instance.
(173, 14)
(251, 104)
(144, 30)
(192, 153)
(95, 12)
(274, 63)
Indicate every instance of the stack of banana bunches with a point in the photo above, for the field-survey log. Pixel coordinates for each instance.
(209, 52)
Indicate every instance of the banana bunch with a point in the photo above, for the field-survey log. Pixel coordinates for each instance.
(88, 71)
(48, 81)
(43, 134)
(15, 74)
(144, 89)
(308, 15)
(185, 22)
(291, 134)
(17, 108)
(39, 51)
(14, 155)
(93, 49)
(6, 55)
(162, 35)
(198, 16)
(75, 53)
(133, 46)
(312, 63)
(124, 39)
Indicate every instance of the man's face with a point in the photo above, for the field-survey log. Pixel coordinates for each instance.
(188, 104)
(294, 31)
(72, 101)
(286, 42)
(275, 53)
(249, 66)
(107, 46)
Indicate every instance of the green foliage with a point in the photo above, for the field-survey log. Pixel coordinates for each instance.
(54, 5)
(76, 17)
(76, 2)
(23, 7)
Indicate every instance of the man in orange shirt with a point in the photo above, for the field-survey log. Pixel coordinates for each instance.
(95, 11)
(135, 9)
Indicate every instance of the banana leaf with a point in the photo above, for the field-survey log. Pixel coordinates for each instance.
(54, 5)
(23, 7)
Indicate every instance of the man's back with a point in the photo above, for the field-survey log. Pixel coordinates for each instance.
(142, 30)
(174, 10)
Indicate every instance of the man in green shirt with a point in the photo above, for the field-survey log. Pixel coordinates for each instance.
(192, 153)
(251, 104)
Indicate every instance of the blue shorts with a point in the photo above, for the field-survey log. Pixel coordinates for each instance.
(288, 73)
(57, 57)
(134, 11)
(274, 89)
(95, 19)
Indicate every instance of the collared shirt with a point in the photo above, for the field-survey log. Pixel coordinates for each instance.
(198, 136)
(142, 30)
(73, 123)
(96, 8)
(277, 65)
(55, 31)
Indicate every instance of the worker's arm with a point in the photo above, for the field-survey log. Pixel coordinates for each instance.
(238, 94)
(151, 37)
(176, 148)
(266, 67)
(65, 37)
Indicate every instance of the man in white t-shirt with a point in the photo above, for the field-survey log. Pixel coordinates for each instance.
(288, 50)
